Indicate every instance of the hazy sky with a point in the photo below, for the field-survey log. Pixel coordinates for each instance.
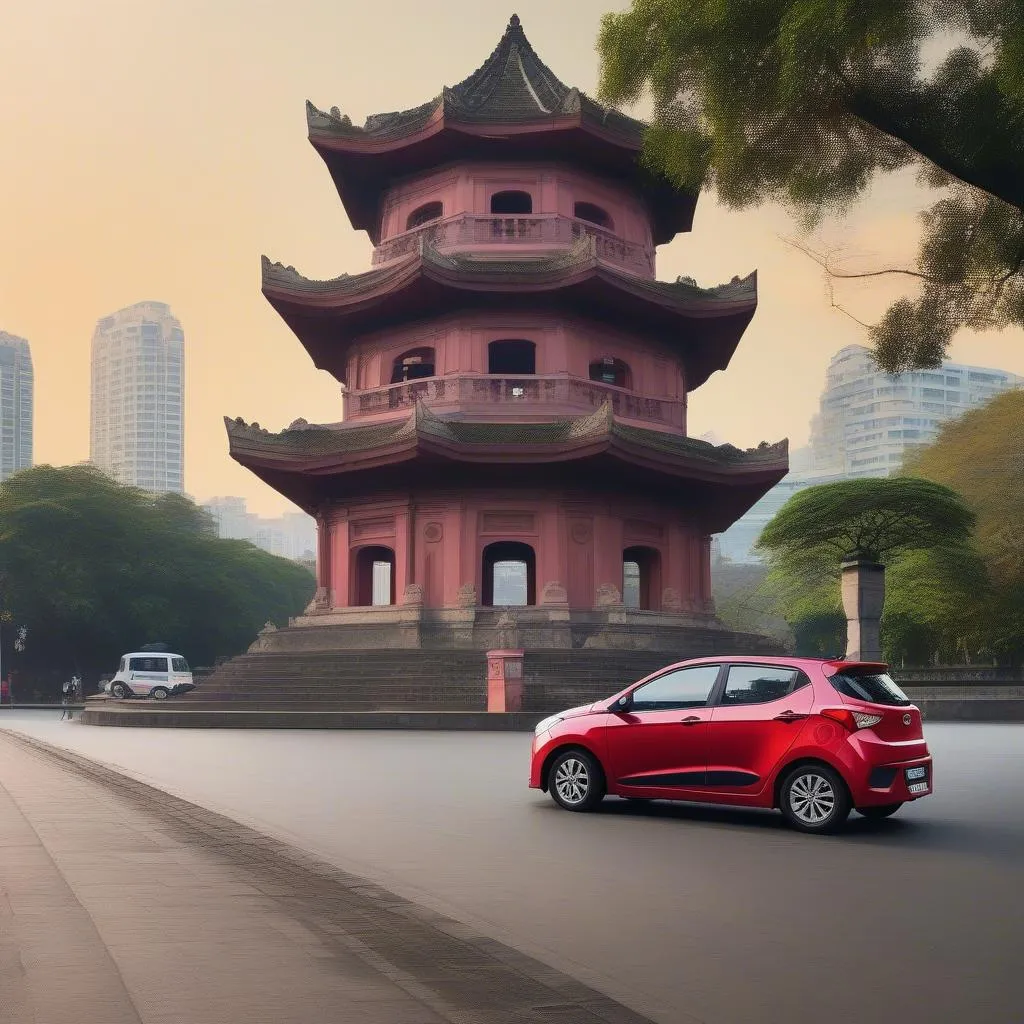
(153, 150)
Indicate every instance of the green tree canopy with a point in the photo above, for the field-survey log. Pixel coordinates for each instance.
(805, 102)
(867, 520)
(94, 569)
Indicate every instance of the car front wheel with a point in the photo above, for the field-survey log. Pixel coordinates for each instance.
(575, 781)
(879, 811)
(119, 690)
(158, 693)
(814, 799)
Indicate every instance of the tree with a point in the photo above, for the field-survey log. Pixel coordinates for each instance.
(853, 527)
(981, 455)
(866, 520)
(806, 102)
(95, 569)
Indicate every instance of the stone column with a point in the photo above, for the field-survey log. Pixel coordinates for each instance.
(607, 555)
(340, 557)
(863, 597)
(322, 600)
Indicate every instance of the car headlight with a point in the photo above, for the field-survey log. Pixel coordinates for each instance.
(547, 723)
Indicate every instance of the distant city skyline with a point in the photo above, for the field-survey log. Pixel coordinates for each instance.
(17, 386)
(291, 535)
(867, 422)
(136, 427)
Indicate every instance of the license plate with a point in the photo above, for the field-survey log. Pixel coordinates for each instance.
(917, 787)
(917, 773)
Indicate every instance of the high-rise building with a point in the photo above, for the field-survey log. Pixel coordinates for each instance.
(868, 419)
(138, 390)
(16, 386)
(867, 422)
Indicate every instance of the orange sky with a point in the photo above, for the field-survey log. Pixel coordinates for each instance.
(154, 150)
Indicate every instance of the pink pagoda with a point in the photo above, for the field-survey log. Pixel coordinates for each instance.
(513, 452)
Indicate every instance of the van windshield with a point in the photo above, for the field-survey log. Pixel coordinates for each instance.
(179, 664)
(874, 687)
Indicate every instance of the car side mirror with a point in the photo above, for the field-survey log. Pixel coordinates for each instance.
(622, 705)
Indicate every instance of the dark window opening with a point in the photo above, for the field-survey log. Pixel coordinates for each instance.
(610, 371)
(593, 214)
(413, 365)
(375, 577)
(512, 357)
(512, 202)
(424, 215)
(641, 578)
(510, 575)
(873, 687)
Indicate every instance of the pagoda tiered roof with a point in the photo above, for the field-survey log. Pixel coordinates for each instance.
(513, 105)
(309, 464)
(702, 325)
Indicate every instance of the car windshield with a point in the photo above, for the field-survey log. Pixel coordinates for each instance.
(179, 664)
(874, 687)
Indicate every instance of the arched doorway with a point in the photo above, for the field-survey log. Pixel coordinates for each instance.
(610, 371)
(413, 365)
(641, 578)
(374, 577)
(509, 574)
(512, 357)
(424, 215)
(512, 201)
(593, 214)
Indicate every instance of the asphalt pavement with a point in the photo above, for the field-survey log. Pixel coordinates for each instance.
(682, 913)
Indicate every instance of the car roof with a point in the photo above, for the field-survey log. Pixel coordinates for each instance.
(152, 654)
(765, 659)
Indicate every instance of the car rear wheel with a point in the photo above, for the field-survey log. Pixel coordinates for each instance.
(814, 799)
(575, 781)
(880, 811)
(158, 693)
(119, 690)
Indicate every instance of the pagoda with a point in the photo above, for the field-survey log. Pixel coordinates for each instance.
(513, 453)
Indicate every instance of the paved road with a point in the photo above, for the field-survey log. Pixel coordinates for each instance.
(682, 913)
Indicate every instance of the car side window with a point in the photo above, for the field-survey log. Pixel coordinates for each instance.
(760, 684)
(683, 688)
(149, 665)
(137, 664)
(179, 664)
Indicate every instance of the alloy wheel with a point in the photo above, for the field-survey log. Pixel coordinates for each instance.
(572, 781)
(812, 799)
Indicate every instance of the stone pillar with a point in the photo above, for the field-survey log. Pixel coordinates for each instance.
(322, 600)
(607, 554)
(404, 572)
(863, 597)
(504, 680)
(341, 583)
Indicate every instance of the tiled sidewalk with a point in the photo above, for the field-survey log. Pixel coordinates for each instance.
(120, 903)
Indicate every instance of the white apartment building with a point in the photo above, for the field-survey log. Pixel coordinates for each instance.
(867, 422)
(16, 397)
(136, 430)
(292, 535)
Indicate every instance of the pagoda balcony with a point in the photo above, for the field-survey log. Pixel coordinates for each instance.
(519, 397)
(495, 232)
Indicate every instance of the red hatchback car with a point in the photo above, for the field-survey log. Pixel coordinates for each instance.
(813, 738)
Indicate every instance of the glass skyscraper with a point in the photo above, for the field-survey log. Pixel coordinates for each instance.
(16, 397)
(138, 392)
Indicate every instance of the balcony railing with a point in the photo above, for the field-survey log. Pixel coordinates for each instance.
(549, 395)
(470, 230)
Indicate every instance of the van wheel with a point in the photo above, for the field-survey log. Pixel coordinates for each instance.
(158, 693)
(119, 690)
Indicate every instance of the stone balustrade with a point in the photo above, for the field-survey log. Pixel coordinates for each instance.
(552, 395)
(467, 230)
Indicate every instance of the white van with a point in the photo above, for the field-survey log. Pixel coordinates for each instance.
(150, 674)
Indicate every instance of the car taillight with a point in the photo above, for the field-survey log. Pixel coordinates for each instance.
(852, 720)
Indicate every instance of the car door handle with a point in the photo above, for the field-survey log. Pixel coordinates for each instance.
(691, 720)
(790, 716)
